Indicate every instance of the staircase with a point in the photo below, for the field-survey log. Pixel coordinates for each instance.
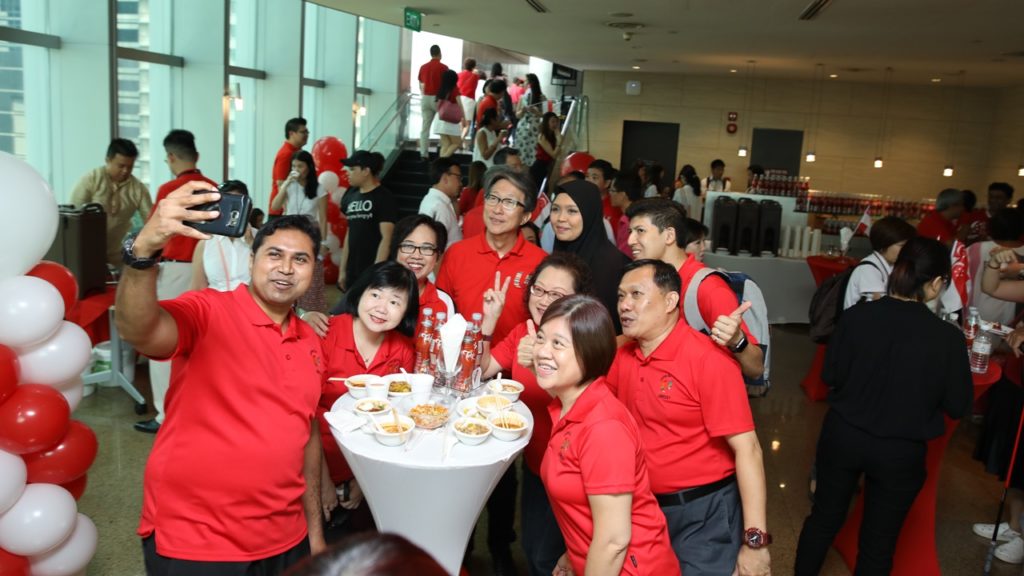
(409, 179)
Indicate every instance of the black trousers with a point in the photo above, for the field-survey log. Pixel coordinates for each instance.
(501, 511)
(894, 471)
(157, 565)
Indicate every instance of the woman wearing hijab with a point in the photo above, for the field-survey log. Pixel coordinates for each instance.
(578, 223)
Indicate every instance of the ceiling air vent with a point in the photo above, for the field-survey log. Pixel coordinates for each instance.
(537, 6)
(814, 9)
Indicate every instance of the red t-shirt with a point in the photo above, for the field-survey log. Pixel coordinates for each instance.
(976, 222)
(934, 226)
(714, 297)
(224, 479)
(282, 166)
(468, 80)
(468, 269)
(486, 103)
(430, 76)
(596, 449)
(343, 360)
(468, 199)
(687, 396)
(473, 221)
(179, 248)
(506, 354)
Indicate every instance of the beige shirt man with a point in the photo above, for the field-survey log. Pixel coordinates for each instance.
(120, 200)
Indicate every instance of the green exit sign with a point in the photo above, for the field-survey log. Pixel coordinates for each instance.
(413, 20)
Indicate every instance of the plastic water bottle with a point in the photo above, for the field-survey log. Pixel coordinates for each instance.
(981, 349)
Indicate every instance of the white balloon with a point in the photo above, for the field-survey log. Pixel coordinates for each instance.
(329, 180)
(73, 555)
(28, 236)
(332, 243)
(73, 394)
(30, 311)
(39, 521)
(62, 357)
(13, 475)
(336, 257)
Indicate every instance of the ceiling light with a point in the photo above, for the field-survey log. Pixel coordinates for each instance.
(636, 67)
(936, 80)
(810, 157)
(833, 75)
(742, 152)
(878, 162)
(1020, 171)
(732, 70)
(947, 171)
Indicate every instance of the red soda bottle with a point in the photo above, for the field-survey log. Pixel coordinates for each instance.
(467, 363)
(424, 337)
(437, 367)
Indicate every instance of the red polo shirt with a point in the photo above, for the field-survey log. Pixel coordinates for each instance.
(224, 480)
(468, 80)
(473, 221)
(714, 297)
(436, 300)
(596, 449)
(506, 354)
(343, 360)
(934, 226)
(430, 76)
(467, 271)
(282, 166)
(687, 396)
(486, 103)
(179, 248)
(468, 199)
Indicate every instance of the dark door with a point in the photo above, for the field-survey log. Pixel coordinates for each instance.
(776, 149)
(652, 141)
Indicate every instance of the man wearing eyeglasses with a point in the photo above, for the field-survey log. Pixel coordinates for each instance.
(439, 203)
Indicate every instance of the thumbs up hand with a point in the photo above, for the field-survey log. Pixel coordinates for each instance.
(524, 352)
(726, 330)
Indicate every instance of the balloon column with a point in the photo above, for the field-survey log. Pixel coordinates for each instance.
(44, 455)
(328, 152)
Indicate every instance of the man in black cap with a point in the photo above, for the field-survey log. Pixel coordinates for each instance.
(370, 210)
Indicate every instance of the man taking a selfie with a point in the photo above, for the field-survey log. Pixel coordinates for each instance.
(232, 483)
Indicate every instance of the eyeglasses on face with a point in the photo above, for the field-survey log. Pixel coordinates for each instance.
(506, 203)
(425, 249)
(541, 293)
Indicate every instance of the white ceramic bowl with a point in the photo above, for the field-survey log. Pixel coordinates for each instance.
(386, 433)
(506, 388)
(472, 439)
(372, 407)
(391, 379)
(358, 391)
(508, 434)
(491, 403)
(467, 409)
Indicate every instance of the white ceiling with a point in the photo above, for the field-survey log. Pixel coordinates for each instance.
(919, 39)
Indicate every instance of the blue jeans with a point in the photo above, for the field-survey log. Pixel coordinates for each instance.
(542, 540)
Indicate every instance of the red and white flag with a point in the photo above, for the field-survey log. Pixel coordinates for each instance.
(864, 226)
(961, 275)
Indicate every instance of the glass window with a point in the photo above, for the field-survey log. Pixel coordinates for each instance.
(242, 135)
(24, 103)
(243, 23)
(145, 24)
(25, 15)
(145, 114)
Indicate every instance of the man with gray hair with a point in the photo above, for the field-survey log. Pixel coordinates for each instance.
(940, 224)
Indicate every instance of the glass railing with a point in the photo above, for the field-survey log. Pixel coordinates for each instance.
(388, 135)
(575, 134)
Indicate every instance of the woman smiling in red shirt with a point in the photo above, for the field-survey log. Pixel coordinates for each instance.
(594, 467)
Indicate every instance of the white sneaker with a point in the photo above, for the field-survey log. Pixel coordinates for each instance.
(1005, 533)
(1012, 552)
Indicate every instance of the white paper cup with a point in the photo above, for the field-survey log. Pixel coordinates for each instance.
(422, 385)
(377, 389)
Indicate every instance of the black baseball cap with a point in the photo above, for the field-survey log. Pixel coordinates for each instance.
(365, 159)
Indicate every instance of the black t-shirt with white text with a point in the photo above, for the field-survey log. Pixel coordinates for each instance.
(365, 213)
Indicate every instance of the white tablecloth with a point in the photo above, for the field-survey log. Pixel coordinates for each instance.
(432, 502)
(787, 283)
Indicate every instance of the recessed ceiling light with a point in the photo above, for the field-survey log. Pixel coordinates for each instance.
(936, 80)
(833, 75)
(732, 70)
(636, 67)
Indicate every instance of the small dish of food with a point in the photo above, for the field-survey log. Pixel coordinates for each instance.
(505, 388)
(508, 425)
(468, 408)
(357, 384)
(492, 403)
(372, 407)
(472, 431)
(390, 433)
(428, 415)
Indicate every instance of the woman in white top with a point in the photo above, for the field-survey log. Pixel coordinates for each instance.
(870, 279)
(488, 139)
(1004, 227)
(222, 263)
(302, 194)
(689, 194)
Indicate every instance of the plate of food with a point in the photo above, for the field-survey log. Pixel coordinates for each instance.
(372, 407)
(468, 408)
(428, 415)
(996, 328)
(472, 431)
(399, 385)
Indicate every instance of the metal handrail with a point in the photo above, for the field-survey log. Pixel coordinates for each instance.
(574, 129)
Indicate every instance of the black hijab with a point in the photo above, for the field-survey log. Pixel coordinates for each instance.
(606, 261)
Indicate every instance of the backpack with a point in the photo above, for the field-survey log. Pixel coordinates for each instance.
(756, 318)
(827, 304)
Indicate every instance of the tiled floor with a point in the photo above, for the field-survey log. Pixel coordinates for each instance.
(966, 493)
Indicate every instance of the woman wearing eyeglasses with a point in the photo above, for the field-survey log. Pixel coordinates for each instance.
(417, 244)
(560, 274)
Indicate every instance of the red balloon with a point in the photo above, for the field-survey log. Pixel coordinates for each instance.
(77, 486)
(34, 418)
(60, 277)
(330, 272)
(11, 565)
(67, 460)
(8, 373)
(576, 162)
(328, 152)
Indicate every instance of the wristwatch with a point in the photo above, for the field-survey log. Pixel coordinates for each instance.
(740, 346)
(130, 259)
(755, 538)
